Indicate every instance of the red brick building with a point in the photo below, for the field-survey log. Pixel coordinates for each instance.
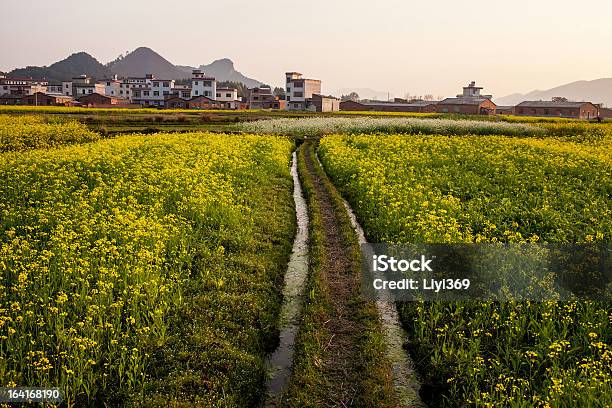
(382, 106)
(504, 110)
(558, 109)
(605, 113)
(43, 99)
(203, 102)
(467, 106)
(174, 102)
(95, 100)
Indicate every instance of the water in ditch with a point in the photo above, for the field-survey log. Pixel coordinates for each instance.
(280, 361)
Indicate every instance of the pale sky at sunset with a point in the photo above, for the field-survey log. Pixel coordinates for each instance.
(388, 45)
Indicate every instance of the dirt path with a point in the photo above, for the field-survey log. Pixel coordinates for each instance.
(342, 373)
(339, 359)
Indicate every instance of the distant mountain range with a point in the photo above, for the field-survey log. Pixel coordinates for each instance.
(596, 91)
(139, 62)
(74, 65)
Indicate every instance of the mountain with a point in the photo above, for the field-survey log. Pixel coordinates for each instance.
(223, 70)
(364, 93)
(137, 63)
(596, 91)
(143, 61)
(64, 70)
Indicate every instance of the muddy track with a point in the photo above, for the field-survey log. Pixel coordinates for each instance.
(341, 371)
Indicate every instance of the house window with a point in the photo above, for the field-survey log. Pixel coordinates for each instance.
(207, 83)
(166, 84)
(218, 95)
(155, 93)
(197, 92)
(298, 94)
(195, 82)
(146, 93)
(229, 95)
(156, 84)
(206, 93)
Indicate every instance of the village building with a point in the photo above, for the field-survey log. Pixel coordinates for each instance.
(43, 99)
(82, 85)
(176, 102)
(262, 98)
(605, 113)
(323, 103)
(559, 109)
(112, 86)
(299, 90)
(55, 88)
(204, 102)
(181, 91)
(229, 97)
(419, 106)
(21, 86)
(470, 102)
(10, 99)
(201, 85)
(103, 101)
(504, 110)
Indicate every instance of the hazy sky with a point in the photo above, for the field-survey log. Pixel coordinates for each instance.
(398, 46)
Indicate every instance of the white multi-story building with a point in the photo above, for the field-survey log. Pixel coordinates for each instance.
(67, 88)
(152, 92)
(201, 85)
(112, 86)
(81, 86)
(182, 91)
(300, 90)
(55, 88)
(229, 97)
(21, 86)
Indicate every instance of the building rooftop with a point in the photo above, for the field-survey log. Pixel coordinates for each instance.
(463, 101)
(398, 104)
(551, 104)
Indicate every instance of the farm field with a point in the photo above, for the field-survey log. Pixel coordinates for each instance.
(441, 189)
(144, 269)
(147, 268)
(32, 132)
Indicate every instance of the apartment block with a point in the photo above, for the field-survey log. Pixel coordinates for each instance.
(21, 86)
(201, 85)
(300, 90)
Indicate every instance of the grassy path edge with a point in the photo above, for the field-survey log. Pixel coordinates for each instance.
(313, 383)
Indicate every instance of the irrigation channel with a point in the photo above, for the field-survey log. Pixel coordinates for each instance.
(342, 368)
(280, 361)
